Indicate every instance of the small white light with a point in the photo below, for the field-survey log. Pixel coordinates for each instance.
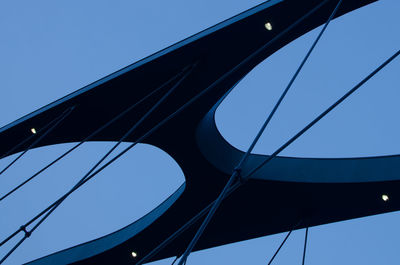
(33, 130)
(268, 26)
(134, 254)
(385, 197)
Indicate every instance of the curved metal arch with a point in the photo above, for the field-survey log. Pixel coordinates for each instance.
(191, 138)
(225, 158)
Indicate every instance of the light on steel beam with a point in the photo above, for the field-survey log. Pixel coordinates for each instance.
(268, 26)
(134, 254)
(33, 130)
(385, 198)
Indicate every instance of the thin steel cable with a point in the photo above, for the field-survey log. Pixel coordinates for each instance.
(13, 249)
(238, 184)
(305, 246)
(55, 123)
(130, 108)
(53, 206)
(323, 114)
(280, 246)
(238, 168)
(283, 243)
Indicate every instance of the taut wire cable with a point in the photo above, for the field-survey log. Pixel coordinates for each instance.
(305, 246)
(283, 242)
(280, 246)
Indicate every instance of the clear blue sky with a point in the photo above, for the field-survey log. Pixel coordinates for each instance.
(51, 48)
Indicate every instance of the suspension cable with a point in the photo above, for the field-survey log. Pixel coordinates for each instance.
(280, 246)
(46, 130)
(283, 242)
(89, 137)
(305, 245)
(85, 178)
(236, 185)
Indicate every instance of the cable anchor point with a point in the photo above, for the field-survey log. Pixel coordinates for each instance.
(27, 233)
(239, 175)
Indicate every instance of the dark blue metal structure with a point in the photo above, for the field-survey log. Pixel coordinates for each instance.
(275, 199)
